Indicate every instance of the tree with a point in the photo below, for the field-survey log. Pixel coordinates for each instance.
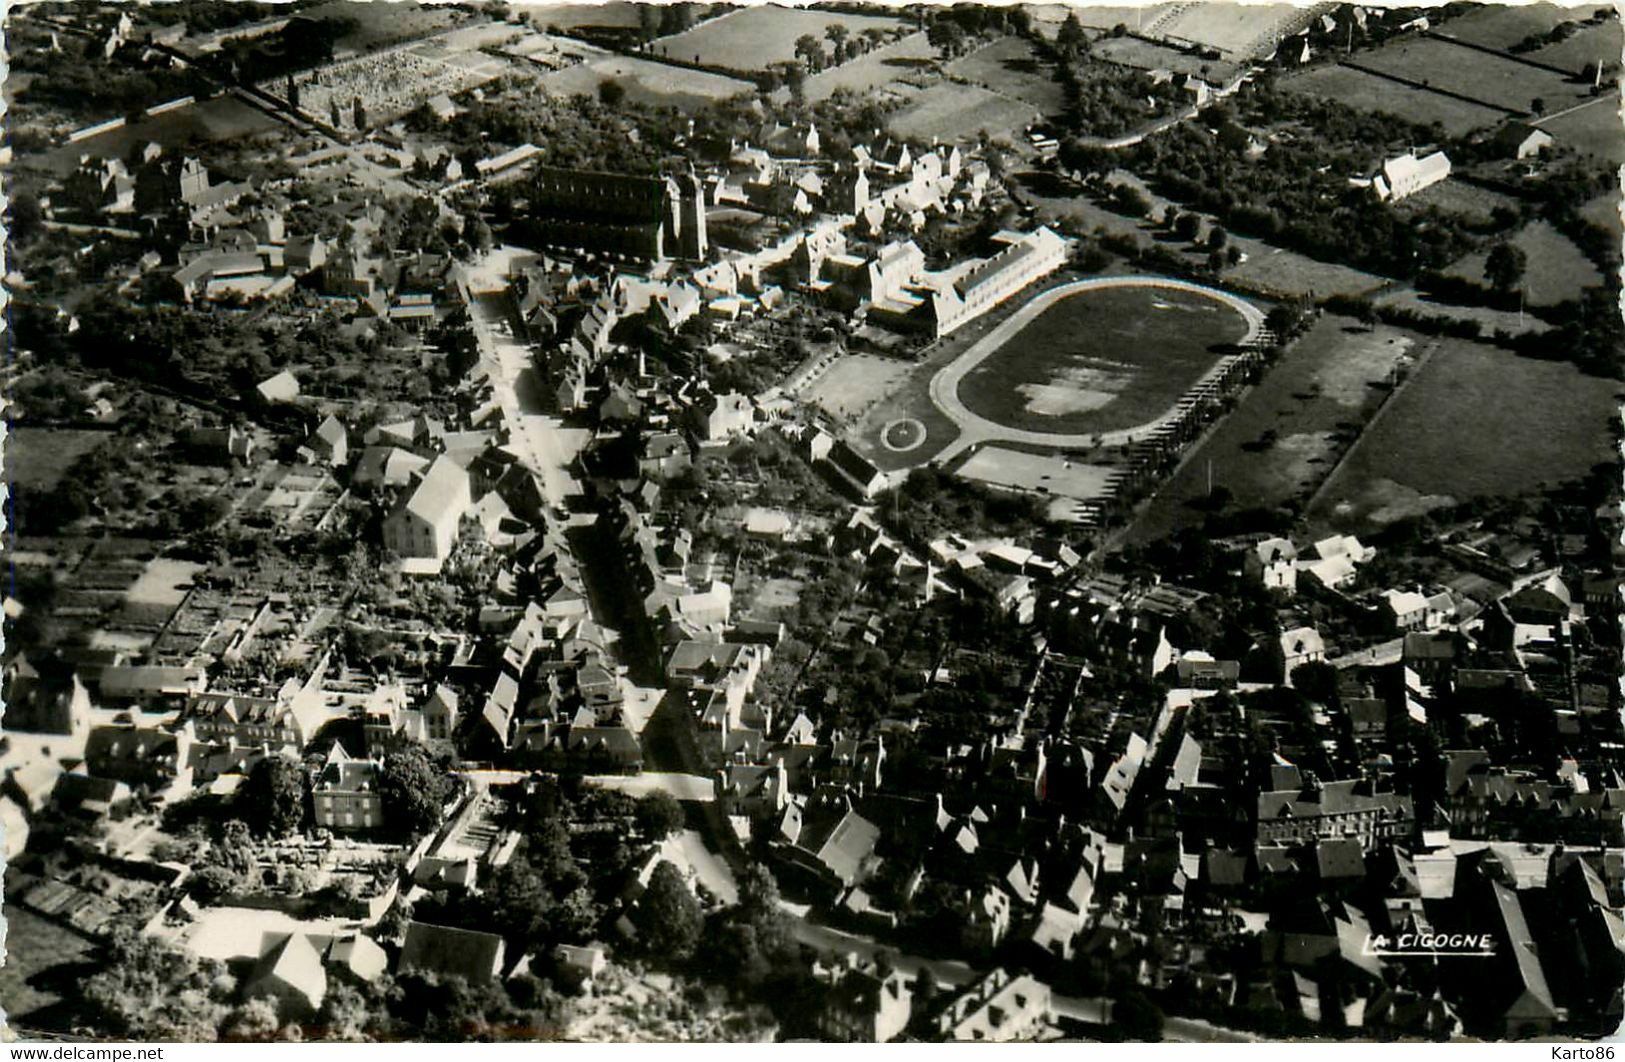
(412, 791)
(1070, 37)
(1127, 199)
(359, 113)
(333, 112)
(1504, 267)
(1186, 226)
(668, 915)
(946, 36)
(274, 796)
(611, 93)
(837, 34)
(810, 51)
(658, 815)
(147, 989)
(1217, 238)
(255, 1021)
(1318, 682)
(514, 900)
(27, 219)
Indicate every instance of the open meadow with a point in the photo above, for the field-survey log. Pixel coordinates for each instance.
(645, 81)
(756, 38)
(1011, 68)
(949, 112)
(855, 382)
(873, 70)
(1369, 92)
(1556, 270)
(1144, 55)
(1597, 43)
(1477, 75)
(1502, 26)
(1475, 421)
(1281, 441)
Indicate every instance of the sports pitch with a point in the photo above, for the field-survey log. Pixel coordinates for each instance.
(1102, 359)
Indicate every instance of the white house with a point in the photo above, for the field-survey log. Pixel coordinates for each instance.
(1407, 175)
(424, 525)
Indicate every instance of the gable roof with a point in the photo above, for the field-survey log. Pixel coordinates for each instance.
(473, 956)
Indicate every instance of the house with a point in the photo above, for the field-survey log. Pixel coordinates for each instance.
(1296, 647)
(1406, 175)
(51, 703)
(720, 417)
(1273, 562)
(424, 525)
(448, 952)
(856, 470)
(220, 445)
(859, 1003)
(277, 390)
(1520, 140)
(345, 794)
(998, 1008)
(290, 974)
(329, 443)
(1350, 809)
(584, 963)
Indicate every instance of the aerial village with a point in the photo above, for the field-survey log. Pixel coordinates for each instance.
(707, 523)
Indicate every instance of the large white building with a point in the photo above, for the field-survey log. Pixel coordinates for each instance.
(424, 525)
(1407, 175)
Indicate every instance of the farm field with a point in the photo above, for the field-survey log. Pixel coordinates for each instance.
(1235, 29)
(874, 70)
(1597, 43)
(1368, 92)
(224, 117)
(376, 24)
(1557, 271)
(1591, 130)
(612, 15)
(856, 382)
(1489, 320)
(645, 81)
(1047, 18)
(1281, 441)
(755, 38)
(949, 112)
(1143, 55)
(1476, 421)
(1011, 68)
(1501, 27)
(1101, 360)
(1486, 78)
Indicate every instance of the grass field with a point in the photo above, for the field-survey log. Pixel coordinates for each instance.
(874, 70)
(755, 38)
(961, 113)
(1598, 43)
(1556, 269)
(1047, 18)
(1282, 440)
(38, 955)
(1101, 360)
(222, 118)
(614, 15)
(1368, 92)
(36, 458)
(1010, 67)
(1458, 197)
(856, 382)
(646, 81)
(1503, 26)
(378, 23)
(1591, 130)
(1476, 421)
(1479, 76)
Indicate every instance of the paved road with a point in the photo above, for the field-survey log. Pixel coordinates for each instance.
(974, 429)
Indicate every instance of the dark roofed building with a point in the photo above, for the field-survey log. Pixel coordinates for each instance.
(448, 952)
